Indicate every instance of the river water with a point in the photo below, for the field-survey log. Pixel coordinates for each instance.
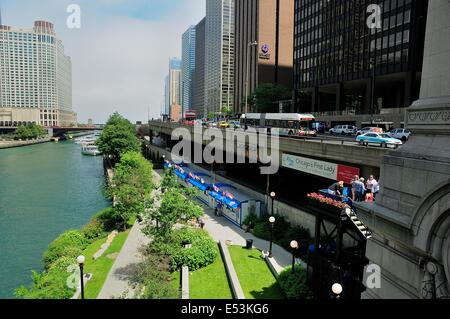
(44, 190)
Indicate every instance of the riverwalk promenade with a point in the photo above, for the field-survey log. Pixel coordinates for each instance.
(12, 144)
(220, 229)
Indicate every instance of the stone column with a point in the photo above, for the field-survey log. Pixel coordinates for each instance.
(315, 99)
(411, 217)
(340, 96)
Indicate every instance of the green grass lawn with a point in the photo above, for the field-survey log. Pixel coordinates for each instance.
(210, 282)
(101, 267)
(176, 280)
(257, 281)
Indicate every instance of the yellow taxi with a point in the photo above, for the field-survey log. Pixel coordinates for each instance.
(224, 124)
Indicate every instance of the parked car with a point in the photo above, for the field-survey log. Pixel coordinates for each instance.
(375, 138)
(343, 130)
(401, 134)
(366, 130)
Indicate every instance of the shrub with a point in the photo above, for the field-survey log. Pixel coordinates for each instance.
(262, 230)
(202, 253)
(294, 284)
(152, 278)
(159, 286)
(283, 234)
(250, 219)
(95, 229)
(48, 285)
(110, 220)
(301, 235)
(70, 244)
(62, 264)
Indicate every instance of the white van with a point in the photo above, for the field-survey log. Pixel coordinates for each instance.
(343, 130)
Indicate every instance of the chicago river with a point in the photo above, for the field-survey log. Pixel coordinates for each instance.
(44, 190)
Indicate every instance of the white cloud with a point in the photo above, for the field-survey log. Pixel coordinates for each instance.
(119, 63)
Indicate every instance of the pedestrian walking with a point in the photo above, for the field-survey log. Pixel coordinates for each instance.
(201, 222)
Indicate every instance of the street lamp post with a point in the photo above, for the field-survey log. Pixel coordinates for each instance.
(272, 196)
(272, 222)
(372, 90)
(337, 290)
(81, 259)
(294, 246)
(247, 80)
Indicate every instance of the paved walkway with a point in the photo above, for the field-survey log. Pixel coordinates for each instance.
(117, 285)
(221, 229)
(117, 282)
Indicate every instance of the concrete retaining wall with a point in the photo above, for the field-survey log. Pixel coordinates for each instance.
(185, 283)
(294, 215)
(231, 272)
(12, 144)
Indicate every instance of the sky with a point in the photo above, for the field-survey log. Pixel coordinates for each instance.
(121, 53)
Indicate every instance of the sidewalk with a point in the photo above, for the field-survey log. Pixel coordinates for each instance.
(221, 229)
(117, 284)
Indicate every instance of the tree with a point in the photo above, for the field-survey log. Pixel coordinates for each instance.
(132, 186)
(175, 207)
(29, 131)
(169, 180)
(265, 97)
(118, 137)
(227, 111)
(128, 203)
(136, 171)
(212, 115)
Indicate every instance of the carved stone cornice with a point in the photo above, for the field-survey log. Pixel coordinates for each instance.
(430, 115)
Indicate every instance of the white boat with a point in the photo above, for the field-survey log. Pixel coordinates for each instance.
(90, 149)
(85, 140)
(91, 139)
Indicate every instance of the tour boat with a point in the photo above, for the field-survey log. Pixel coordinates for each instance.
(90, 149)
(85, 140)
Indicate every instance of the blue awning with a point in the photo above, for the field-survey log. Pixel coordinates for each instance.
(200, 186)
(231, 203)
(180, 175)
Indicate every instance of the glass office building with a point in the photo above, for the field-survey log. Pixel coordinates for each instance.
(219, 50)
(335, 51)
(188, 67)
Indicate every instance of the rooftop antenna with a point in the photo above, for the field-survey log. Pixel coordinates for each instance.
(1, 14)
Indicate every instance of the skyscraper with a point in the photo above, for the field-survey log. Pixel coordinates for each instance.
(35, 77)
(337, 56)
(219, 66)
(198, 84)
(187, 67)
(174, 84)
(166, 96)
(264, 46)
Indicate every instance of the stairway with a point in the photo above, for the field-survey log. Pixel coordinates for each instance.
(363, 229)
